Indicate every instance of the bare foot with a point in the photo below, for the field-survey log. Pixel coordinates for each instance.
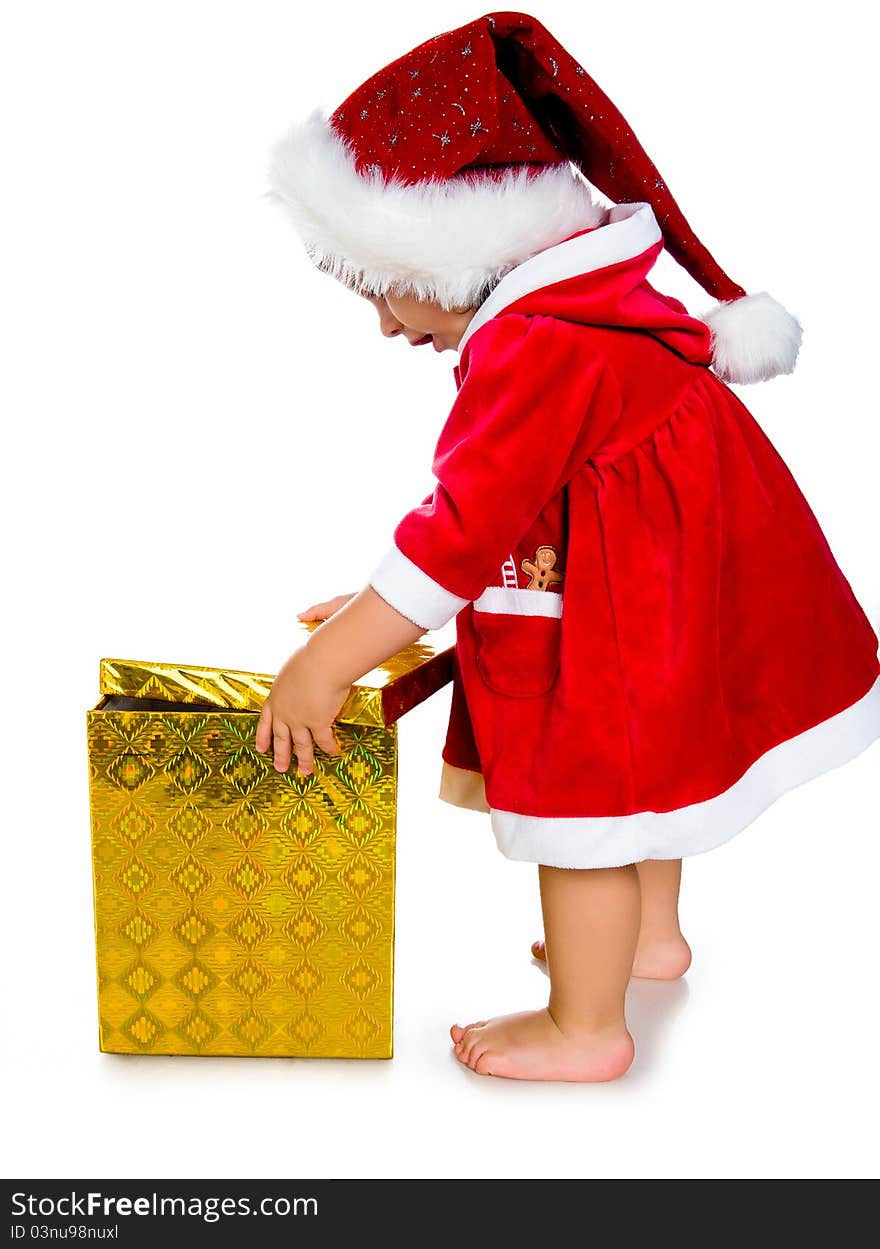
(530, 1046)
(662, 960)
(657, 960)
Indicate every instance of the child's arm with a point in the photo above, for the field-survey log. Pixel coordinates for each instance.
(538, 399)
(310, 689)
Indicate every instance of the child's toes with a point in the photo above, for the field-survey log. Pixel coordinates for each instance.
(477, 1052)
(460, 1052)
(457, 1033)
(483, 1065)
(473, 1036)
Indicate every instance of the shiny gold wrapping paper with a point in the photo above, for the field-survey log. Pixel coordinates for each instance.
(240, 911)
(380, 697)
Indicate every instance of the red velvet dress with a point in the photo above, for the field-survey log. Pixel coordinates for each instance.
(654, 640)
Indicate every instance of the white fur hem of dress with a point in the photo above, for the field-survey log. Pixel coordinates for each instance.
(615, 840)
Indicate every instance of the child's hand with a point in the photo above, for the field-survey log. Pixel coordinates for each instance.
(299, 713)
(309, 691)
(323, 611)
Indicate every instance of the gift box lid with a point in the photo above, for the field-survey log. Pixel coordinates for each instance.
(380, 697)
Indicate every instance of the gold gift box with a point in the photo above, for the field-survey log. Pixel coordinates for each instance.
(239, 910)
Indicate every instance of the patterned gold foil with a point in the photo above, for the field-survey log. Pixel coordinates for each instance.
(380, 697)
(238, 910)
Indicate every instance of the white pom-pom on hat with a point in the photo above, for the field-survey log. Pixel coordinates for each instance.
(753, 338)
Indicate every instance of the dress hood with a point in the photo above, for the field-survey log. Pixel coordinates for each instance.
(597, 277)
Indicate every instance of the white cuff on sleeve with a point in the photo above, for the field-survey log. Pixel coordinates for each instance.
(413, 593)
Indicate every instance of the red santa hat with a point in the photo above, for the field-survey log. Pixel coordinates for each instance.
(473, 152)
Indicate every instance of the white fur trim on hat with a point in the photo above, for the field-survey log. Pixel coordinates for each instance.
(447, 241)
(753, 338)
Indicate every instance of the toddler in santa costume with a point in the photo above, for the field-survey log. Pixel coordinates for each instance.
(653, 639)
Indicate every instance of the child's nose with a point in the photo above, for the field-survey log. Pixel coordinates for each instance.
(391, 328)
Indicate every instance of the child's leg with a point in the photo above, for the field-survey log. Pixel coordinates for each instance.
(662, 952)
(591, 921)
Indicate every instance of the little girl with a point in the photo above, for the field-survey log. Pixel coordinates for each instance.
(653, 638)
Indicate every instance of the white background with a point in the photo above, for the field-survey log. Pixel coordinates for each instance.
(203, 435)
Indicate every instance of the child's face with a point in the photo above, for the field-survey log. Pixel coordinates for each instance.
(421, 321)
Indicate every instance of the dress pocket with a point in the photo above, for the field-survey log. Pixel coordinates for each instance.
(517, 640)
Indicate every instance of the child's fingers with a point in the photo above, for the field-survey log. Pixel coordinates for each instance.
(323, 611)
(305, 754)
(283, 750)
(326, 740)
(320, 611)
(264, 728)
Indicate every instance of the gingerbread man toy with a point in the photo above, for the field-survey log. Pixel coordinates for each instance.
(542, 571)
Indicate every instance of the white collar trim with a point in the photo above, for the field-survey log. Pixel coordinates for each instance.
(630, 230)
